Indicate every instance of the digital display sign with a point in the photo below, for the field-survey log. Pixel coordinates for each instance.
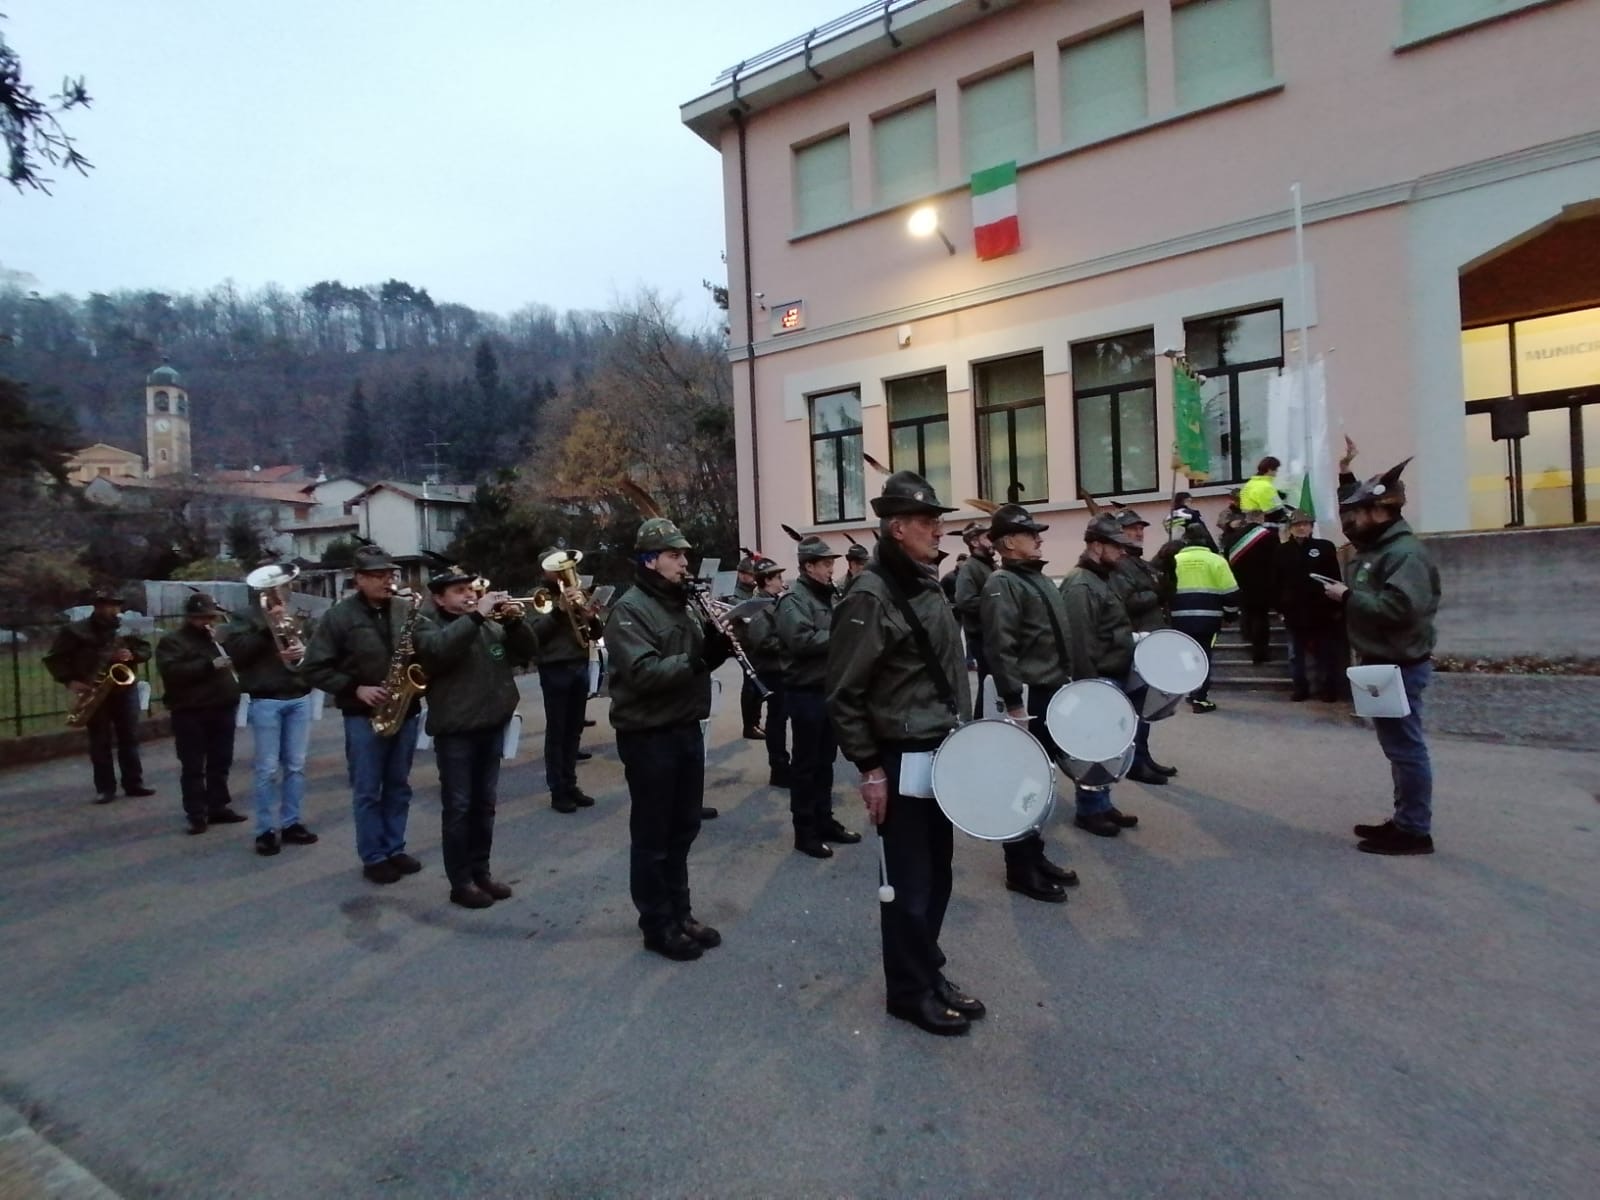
(786, 318)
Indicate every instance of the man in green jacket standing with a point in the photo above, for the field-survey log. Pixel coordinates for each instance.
(896, 688)
(970, 578)
(201, 690)
(759, 637)
(1389, 607)
(564, 685)
(1146, 593)
(1101, 636)
(662, 656)
(471, 662)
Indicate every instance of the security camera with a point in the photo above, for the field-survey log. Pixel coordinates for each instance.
(761, 295)
(1171, 352)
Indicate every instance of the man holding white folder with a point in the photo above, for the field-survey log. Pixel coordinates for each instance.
(1389, 607)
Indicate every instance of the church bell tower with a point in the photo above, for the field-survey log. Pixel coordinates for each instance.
(166, 423)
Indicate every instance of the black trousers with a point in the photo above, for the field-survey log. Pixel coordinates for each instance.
(1028, 850)
(116, 721)
(815, 748)
(917, 846)
(1203, 630)
(975, 650)
(750, 704)
(469, 777)
(566, 695)
(666, 771)
(204, 741)
(1255, 627)
(777, 726)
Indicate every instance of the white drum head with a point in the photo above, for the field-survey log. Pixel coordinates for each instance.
(994, 781)
(1091, 720)
(1170, 662)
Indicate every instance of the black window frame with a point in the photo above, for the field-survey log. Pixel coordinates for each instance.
(833, 435)
(1011, 408)
(1114, 392)
(920, 424)
(1241, 470)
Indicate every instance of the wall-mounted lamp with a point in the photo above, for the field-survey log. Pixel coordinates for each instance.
(924, 222)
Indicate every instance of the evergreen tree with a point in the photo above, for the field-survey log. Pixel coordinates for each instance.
(359, 451)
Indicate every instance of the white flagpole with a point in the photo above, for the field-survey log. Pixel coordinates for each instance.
(1305, 336)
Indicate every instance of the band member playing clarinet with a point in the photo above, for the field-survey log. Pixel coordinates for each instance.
(81, 654)
(896, 688)
(662, 655)
(564, 683)
(1025, 636)
(201, 689)
(471, 662)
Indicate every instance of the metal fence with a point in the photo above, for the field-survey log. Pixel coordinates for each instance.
(33, 702)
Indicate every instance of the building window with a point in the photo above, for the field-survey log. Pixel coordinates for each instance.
(919, 428)
(1222, 49)
(103, 472)
(838, 489)
(162, 402)
(446, 518)
(822, 182)
(1103, 84)
(1114, 403)
(1236, 356)
(1012, 463)
(1426, 18)
(905, 154)
(997, 119)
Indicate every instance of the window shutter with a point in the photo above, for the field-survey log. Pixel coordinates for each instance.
(1103, 84)
(997, 119)
(1223, 48)
(905, 153)
(822, 182)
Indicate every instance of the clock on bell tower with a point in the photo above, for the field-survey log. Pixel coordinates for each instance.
(166, 423)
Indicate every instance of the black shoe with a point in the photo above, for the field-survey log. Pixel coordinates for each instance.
(581, 798)
(836, 833)
(1122, 819)
(1299, 695)
(1169, 772)
(298, 835)
(564, 804)
(969, 1007)
(404, 863)
(778, 777)
(1065, 876)
(1099, 824)
(1202, 706)
(197, 825)
(1330, 697)
(138, 789)
(1142, 773)
(755, 733)
(104, 798)
(382, 872)
(588, 723)
(267, 844)
(810, 844)
(1397, 842)
(707, 813)
(492, 887)
(932, 1014)
(701, 933)
(1374, 831)
(1031, 883)
(583, 756)
(674, 944)
(225, 816)
(471, 896)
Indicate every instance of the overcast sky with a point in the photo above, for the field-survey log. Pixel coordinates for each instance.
(496, 152)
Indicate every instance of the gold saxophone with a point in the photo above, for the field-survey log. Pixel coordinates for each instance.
(86, 704)
(405, 680)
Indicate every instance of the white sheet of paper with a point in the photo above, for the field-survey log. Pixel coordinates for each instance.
(916, 775)
(1378, 691)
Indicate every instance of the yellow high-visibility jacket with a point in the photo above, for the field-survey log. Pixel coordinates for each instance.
(1205, 583)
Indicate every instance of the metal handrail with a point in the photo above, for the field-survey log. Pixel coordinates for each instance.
(855, 19)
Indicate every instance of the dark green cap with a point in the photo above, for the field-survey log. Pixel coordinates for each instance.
(447, 576)
(658, 533)
(814, 549)
(1106, 528)
(1386, 490)
(1012, 518)
(371, 558)
(858, 553)
(906, 493)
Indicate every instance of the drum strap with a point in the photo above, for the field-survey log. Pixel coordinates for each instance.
(1038, 585)
(919, 635)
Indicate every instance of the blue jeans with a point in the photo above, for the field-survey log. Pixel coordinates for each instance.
(281, 729)
(1325, 649)
(1407, 752)
(380, 785)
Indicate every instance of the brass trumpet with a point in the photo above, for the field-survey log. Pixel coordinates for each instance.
(564, 564)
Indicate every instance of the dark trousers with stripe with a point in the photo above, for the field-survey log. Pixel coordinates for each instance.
(918, 844)
(811, 777)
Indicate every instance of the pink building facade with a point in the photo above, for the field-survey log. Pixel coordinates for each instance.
(1448, 157)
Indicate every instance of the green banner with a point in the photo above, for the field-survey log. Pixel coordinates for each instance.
(1189, 453)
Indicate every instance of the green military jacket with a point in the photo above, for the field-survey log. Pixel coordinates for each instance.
(1099, 631)
(557, 642)
(849, 582)
(351, 648)
(255, 656)
(879, 689)
(760, 641)
(661, 658)
(1393, 598)
(84, 648)
(189, 680)
(970, 578)
(805, 619)
(1145, 592)
(471, 667)
(1019, 640)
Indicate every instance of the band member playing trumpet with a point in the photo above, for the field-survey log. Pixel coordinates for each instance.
(280, 721)
(81, 656)
(471, 663)
(349, 658)
(564, 682)
(896, 686)
(804, 620)
(201, 689)
(662, 655)
(1025, 636)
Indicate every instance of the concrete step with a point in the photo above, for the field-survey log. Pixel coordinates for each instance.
(1252, 683)
(1234, 652)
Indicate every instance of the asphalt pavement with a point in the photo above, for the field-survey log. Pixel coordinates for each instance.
(1234, 1003)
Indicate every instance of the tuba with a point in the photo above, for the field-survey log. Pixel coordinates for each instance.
(273, 583)
(564, 563)
(405, 680)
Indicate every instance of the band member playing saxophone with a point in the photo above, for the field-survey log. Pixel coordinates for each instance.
(82, 658)
(201, 689)
(349, 658)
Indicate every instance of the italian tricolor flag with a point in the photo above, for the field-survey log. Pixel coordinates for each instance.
(994, 211)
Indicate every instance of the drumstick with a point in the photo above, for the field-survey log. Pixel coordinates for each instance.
(885, 890)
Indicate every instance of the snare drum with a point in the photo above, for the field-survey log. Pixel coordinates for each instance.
(994, 781)
(1167, 666)
(1093, 725)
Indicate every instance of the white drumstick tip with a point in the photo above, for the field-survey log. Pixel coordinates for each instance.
(886, 894)
(886, 889)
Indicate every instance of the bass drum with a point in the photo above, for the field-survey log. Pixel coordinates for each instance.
(1093, 725)
(994, 781)
(1167, 666)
